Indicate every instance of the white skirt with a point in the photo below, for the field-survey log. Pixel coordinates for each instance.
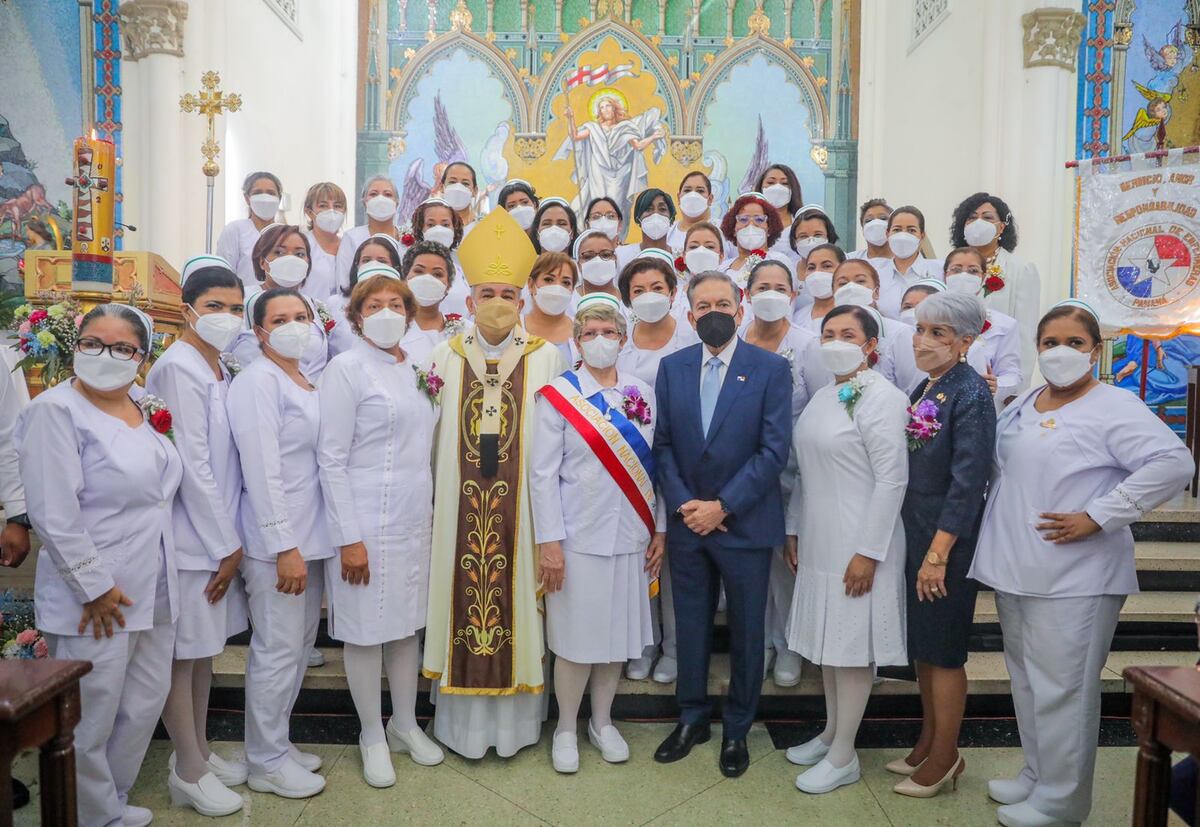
(392, 605)
(831, 629)
(602, 613)
(471, 724)
(203, 628)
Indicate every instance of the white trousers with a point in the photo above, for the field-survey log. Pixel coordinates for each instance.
(781, 588)
(1055, 648)
(284, 629)
(120, 701)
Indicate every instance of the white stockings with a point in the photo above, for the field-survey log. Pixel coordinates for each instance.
(399, 658)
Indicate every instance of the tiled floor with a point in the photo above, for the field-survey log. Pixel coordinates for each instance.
(526, 790)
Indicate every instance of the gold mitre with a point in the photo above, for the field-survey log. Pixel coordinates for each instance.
(497, 251)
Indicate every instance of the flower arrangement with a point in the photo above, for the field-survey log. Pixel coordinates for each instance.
(19, 637)
(993, 279)
(454, 324)
(47, 336)
(849, 393)
(634, 405)
(923, 424)
(327, 320)
(429, 382)
(157, 415)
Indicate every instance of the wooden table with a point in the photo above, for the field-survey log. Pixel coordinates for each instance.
(39, 707)
(1166, 716)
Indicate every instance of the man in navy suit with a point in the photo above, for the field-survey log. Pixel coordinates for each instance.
(720, 443)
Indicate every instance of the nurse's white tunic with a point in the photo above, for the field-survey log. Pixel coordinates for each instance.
(205, 512)
(322, 345)
(322, 275)
(1105, 453)
(893, 283)
(897, 363)
(344, 258)
(235, 244)
(796, 346)
(677, 237)
(1021, 298)
(375, 449)
(602, 613)
(643, 364)
(853, 472)
(998, 351)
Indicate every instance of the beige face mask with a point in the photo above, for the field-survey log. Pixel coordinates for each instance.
(929, 354)
(496, 317)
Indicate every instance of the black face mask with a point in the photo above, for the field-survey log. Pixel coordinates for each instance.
(715, 328)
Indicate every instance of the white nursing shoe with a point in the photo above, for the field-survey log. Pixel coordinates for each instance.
(612, 746)
(208, 796)
(229, 773)
(133, 816)
(787, 669)
(289, 781)
(808, 753)
(825, 777)
(377, 764)
(667, 670)
(565, 752)
(638, 669)
(416, 744)
(1009, 790)
(309, 760)
(315, 658)
(1023, 815)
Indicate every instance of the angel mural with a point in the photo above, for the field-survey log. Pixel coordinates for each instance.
(1149, 129)
(610, 149)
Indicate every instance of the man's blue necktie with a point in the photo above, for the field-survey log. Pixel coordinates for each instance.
(710, 389)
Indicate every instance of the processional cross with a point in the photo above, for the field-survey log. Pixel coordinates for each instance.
(210, 102)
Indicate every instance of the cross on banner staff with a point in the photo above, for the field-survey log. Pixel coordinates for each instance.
(210, 102)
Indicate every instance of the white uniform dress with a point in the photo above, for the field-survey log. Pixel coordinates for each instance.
(602, 612)
(275, 424)
(375, 449)
(235, 244)
(998, 351)
(351, 239)
(853, 472)
(322, 345)
(896, 363)
(99, 494)
(893, 283)
(205, 513)
(1105, 454)
(1020, 298)
(322, 275)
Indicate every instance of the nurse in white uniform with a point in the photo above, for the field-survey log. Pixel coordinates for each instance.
(100, 473)
(429, 270)
(695, 200)
(846, 540)
(872, 217)
(380, 203)
(810, 229)
(520, 199)
(704, 248)
(554, 227)
(771, 295)
(459, 189)
(1077, 462)
(551, 287)
(376, 441)
(752, 225)
(275, 416)
(379, 249)
(193, 382)
(262, 191)
(434, 220)
(654, 213)
(905, 265)
(595, 255)
(325, 209)
(648, 287)
(605, 215)
(597, 553)
(816, 278)
(780, 186)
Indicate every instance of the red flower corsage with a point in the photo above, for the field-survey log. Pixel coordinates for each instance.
(326, 318)
(760, 253)
(987, 324)
(407, 239)
(680, 264)
(157, 415)
(992, 284)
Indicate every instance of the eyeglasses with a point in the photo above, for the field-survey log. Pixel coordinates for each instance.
(757, 220)
(959, 268)
(94, 347)
(589, 335)
(605, 255)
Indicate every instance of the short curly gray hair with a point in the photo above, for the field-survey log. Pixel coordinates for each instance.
(964, 314)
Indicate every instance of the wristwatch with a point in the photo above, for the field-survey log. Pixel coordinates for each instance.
(21, 520)
(935, 559)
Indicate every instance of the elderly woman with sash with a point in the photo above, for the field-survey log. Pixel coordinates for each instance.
(591, 482)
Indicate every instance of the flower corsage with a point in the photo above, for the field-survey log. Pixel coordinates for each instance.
(429, 382)
(231, 364)
(157, 415)
(993, 280)
(923, 424)
(680, 264)
(634, 405)
(327, 320)
(852, 391)
(454, 324)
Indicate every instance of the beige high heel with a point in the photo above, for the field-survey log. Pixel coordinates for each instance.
(914, 790)
(901, 767)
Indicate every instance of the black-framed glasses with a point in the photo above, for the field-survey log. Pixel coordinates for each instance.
(120, 351)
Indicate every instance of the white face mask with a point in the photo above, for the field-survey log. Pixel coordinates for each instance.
(655, 226)
(903, 245)
(439, 233)
(875, 232)
(854, 293)
(599, 271)
(554, 239)
(608, 226)
(385, 327)
(427, 290)
(778, 195)
(264, 205)
(458, 196)
(329, 221)
(770, 305)
(693, 204)
(381, 208)
(803, 245)
(290, 339)
(701, 259)
(841, 358)
(104, 373)
(651, 307)
(819, 284)
(965, 283)
(1063, 366)
(218, 329)
(909, 317)
(523, 214)
(600, 353)
(751, 238)
(287, 271)
(552, 299)
(979, 232)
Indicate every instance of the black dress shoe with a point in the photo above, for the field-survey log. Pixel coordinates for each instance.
(735, 758)
(20, 794)
(680, 742)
